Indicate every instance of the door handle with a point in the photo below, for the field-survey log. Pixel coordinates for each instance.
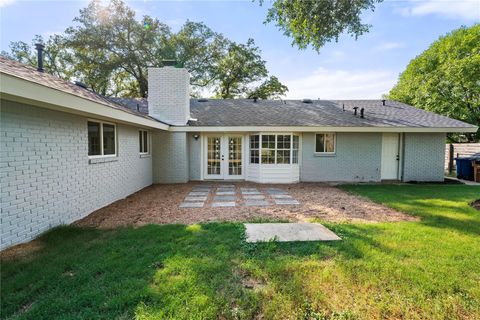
(398, 157)
(223, 157)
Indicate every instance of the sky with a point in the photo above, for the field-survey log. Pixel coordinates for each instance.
(364, 68)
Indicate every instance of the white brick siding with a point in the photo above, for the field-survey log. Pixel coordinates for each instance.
(170, 157)
(424, 157)
(45, 176)
(357, 158)
(169, 95)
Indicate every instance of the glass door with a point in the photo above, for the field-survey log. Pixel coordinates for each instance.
(214, 157)
(235, 167)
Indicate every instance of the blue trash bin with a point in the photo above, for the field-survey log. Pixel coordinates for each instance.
(464, 168)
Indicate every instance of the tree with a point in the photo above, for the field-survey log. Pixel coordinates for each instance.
(445, 78)
(110, 51)
(271, 88)
(318, 22)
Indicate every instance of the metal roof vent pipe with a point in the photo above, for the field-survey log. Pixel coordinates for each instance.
(39, 47)
(383, 102)
(355, 111)
(362, 112)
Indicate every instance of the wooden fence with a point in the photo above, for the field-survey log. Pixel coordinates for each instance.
(459, 150)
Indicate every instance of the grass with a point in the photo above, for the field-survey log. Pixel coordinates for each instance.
(425, 269)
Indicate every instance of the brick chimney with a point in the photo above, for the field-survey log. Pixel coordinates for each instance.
(169, 95)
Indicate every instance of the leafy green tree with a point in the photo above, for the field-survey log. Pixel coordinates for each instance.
(445, 78)
(110, 51)
(271, 88)
(317, 22)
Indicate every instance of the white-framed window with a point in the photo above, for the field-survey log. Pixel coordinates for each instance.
(274, 148)
(255, 148)
(295, 147)
(143, 142)
(325, 143)
(102, 139)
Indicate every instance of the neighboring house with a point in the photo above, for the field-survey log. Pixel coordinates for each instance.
(67, 151)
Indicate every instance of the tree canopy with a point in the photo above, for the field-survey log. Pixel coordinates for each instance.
(317, 22)
(109, 50)
(445, 78)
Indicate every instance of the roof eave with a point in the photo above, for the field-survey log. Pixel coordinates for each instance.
(24, 91)
(319, 129)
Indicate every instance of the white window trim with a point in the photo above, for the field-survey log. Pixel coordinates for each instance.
(325, 153)
(101, 139)
(148, 142)
(276, 134)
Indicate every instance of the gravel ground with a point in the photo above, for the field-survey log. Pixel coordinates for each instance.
(159, 204)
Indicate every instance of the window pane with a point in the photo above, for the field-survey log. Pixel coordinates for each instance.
(145, 141)
(295, 142)
(93, 139)
(330, 142)
(254, 158)
(268, 141)
(140, 144)
(319, 144)
(108, 139)
(283, 156)
(254, 141)
(283, 142)
(295, 156)
(268, 156)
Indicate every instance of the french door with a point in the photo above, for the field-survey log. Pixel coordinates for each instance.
(224, 157)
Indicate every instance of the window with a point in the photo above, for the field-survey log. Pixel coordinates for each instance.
(101, 139)
(295, 145)
(255, 149)
(143, 142)
(325, 143)
(268, 148)
(274, 149)
(283, 149)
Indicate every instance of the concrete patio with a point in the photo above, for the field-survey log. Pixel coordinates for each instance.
(261, 232)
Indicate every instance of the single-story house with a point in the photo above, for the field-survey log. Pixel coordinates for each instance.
(67, 151)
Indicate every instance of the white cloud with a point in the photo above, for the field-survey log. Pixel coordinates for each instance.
(342, 84)
(388, 46)
(456, 9)
(4, 3)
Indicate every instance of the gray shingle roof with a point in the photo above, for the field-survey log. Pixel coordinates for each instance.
(31, 74)
(243, 112)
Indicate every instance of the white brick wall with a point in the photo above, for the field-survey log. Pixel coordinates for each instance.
(170, 157)
(424, 157)
(45, 176)
(169, 95)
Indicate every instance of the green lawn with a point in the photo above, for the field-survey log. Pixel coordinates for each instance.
(425, 269)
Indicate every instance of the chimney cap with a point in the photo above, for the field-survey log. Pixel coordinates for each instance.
(39, 46)
(171, 63)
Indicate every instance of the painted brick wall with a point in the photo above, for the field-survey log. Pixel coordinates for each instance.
(357, 158)
(195, 152)
(424, 157)
(170, 157)
(169, 95)
(45, 176)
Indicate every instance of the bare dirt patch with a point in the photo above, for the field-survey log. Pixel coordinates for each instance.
(159, 204)
(476, 204)
(21, 250)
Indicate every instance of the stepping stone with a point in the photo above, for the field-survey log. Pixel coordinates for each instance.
(277, 191)
(286, 201)
(191, 205)
(225, 189)
(226, 186)
(202, 189)
(259, 232)
(225, 193)
(254, 197)
(223, 204)
(282, 196)
(195, 198)
(198, 193)
(224, 198)
(202, 186)
(249, 189)
(256, 203)
(251, 192)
